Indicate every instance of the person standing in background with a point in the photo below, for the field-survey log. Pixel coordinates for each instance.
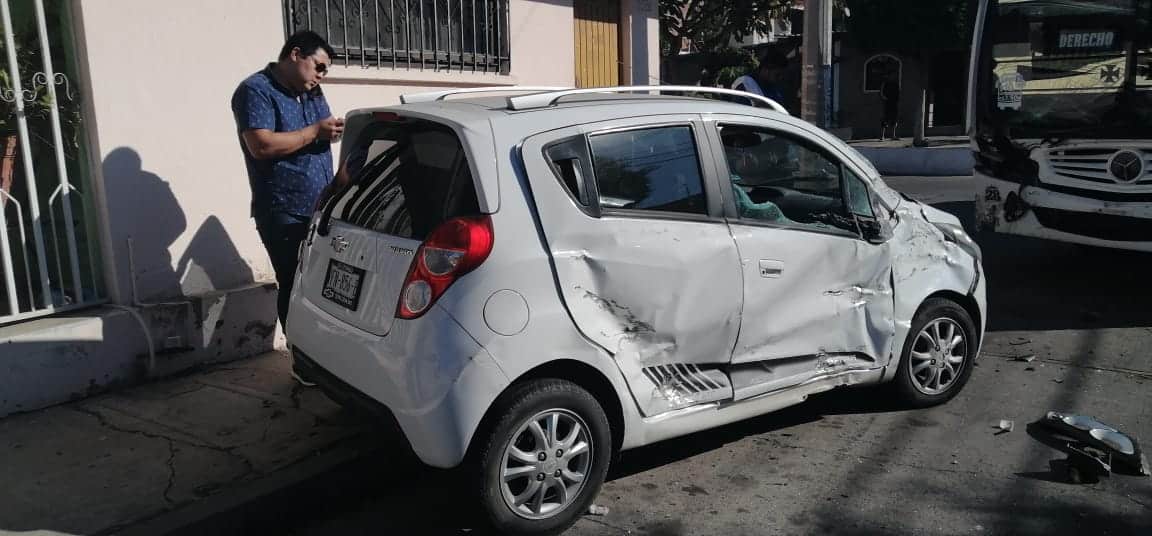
(890, 98)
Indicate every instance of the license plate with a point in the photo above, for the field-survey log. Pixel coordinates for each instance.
(342, 284)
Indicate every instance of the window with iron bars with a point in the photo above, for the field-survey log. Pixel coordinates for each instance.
(439, 35)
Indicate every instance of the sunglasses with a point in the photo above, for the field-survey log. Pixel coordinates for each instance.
(321, 68)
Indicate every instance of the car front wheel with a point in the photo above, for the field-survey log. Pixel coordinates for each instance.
(938, 356)
(543, 461)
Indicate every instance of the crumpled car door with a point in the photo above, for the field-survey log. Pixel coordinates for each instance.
(818, 298)
(645, 266)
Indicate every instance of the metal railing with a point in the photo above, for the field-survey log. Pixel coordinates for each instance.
(437, 35)
(30, 103)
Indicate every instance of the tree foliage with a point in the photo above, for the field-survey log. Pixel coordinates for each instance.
(712, 25)
(902, 25)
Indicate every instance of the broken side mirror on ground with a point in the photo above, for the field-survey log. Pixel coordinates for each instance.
(1094, 449)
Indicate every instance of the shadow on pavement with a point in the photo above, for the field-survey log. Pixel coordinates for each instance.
(387, 491)
(1058, 516)
(390, 492)
(845, 401)
(1046, 285)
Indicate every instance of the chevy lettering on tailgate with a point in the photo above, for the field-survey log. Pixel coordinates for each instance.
(342, 284)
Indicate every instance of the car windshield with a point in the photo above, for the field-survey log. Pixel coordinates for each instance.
(1065, 68)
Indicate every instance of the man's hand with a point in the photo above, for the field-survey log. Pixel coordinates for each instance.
(265, 144)
(330, 128)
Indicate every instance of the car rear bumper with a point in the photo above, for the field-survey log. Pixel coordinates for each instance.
(428, 374)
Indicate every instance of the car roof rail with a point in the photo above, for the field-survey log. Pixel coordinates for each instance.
(432, 96)
(543, 100)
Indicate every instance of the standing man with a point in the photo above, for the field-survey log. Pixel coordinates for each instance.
(890, 96)
(286, 132)
(768, 78)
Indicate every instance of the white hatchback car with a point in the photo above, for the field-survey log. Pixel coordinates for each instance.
(531, 284)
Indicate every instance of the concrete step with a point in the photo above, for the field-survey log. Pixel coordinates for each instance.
(72, 356)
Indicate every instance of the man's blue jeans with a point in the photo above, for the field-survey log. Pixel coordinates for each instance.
(282, 234)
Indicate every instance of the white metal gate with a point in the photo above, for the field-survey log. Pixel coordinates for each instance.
(48, 259)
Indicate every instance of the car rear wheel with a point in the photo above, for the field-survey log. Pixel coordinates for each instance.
(543, 461)
(938, 356)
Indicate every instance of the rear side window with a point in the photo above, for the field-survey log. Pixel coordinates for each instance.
(655, 169)
(407, 177)
(569, 160)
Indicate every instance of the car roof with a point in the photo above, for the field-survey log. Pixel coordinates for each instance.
(500, 105)
(471, 112)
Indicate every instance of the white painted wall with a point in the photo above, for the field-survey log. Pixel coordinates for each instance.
(640, 41)
(161, 75)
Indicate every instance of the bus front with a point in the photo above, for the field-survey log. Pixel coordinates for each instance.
(1060, 115)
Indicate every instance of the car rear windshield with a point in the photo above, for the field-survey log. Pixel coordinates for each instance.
(407, 177)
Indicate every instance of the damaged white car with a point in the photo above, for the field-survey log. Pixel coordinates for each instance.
(528, 285)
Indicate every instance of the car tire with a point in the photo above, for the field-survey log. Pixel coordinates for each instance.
(935, 364)
(530, 413)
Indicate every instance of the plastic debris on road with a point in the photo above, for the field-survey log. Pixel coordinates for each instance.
(1094, 449)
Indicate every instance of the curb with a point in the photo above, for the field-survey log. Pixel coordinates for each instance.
(920, 161)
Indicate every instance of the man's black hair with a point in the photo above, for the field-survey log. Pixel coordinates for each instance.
(308, 42)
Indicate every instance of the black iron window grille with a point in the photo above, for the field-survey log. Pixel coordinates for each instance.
(437, 35)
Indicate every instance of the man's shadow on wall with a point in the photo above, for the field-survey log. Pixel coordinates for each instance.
(146, 213)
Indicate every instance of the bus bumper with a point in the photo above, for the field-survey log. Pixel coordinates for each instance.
(1009, 208)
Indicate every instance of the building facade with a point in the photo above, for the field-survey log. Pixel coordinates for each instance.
(128, 252)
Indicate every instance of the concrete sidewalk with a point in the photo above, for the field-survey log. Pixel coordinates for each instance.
(944, 156)
(171, 452)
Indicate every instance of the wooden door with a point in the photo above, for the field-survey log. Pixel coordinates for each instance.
(597, 42)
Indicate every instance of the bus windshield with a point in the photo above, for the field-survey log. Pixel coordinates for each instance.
(1065, 69)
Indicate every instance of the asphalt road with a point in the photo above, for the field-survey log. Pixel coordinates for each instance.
(848, 462)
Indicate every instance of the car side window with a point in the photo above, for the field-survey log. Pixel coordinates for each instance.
(652, 169)
(781, 179)
(859, 198)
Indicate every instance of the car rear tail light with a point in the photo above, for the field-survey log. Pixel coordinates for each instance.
(455, 248)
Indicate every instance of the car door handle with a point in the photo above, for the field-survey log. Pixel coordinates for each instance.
(771, 269)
